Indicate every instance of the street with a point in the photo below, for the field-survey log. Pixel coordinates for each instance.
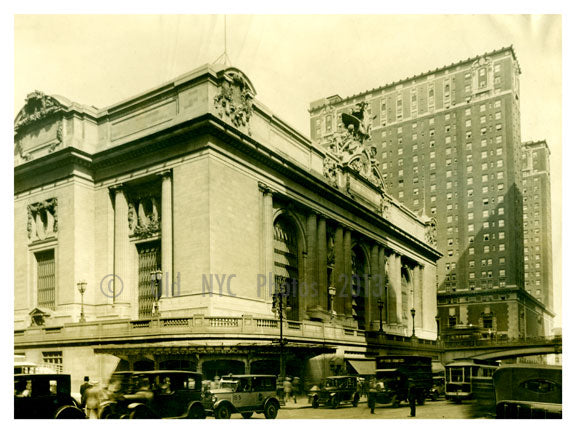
(440, 409)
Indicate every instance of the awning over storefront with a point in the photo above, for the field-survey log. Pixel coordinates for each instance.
(364, 367)
(437, 368)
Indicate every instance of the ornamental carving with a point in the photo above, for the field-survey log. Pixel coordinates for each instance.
(350, 148)
(431, 232)
(58, 141)
(385, 204)
(330, 171)
(235, 98)
(42, 220)
(37, 107)
(144, 216)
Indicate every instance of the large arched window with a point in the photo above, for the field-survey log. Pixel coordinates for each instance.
(286, 270)
(359, 286)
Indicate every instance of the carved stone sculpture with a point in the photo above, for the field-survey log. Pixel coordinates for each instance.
(38, 106)
(235, 98)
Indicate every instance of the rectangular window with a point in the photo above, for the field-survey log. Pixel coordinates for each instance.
(46, 279)
(53, 360)
(470, 227)
(447, 91)
(431, 97)
(497, 104)
(383, 113)
(413, 103)
(329, 123)
(399, 107)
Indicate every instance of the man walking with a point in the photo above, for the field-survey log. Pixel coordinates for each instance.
(83, 389)
(372, 395)
(412, 397)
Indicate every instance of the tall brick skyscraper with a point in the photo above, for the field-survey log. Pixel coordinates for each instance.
(537, 221)
(449, 145)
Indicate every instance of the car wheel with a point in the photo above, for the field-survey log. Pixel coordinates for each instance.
(106, 413)
(315, 403)
(355, 400)
(69, 412)
(247, 415)
(395, 402)
(271, 410)
(196, 412)
(141, 412)
(334, 402)
(434, 396)
(223, 412)
(420, 400)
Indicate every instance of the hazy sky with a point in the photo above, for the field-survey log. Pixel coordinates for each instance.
(291, 60)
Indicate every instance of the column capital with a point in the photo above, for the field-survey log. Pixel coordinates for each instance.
(265, 189)
(165, 173)
(117, 188)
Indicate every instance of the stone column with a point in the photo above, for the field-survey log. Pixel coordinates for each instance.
(322, 262)
(309, 289)
(396, 285)
(375, 290)
(121, 292)
(383, 284)
(339, 277)
(267, 245)
(166, 239)
(419, 271)
(348, 272)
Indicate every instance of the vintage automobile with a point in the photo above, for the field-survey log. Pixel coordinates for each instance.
(244, 394)
(438, 388)
(335, 390)
(154, 394)
(44, 396)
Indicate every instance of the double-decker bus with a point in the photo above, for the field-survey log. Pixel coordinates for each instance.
(466, 376)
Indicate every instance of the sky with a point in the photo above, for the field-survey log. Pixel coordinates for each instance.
(292, 60)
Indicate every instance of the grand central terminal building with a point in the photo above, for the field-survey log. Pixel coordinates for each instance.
(159, 231)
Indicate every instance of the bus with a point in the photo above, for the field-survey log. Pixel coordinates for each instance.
(527, 391)
(465, 376)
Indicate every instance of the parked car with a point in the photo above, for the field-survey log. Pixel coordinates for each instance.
(244, 394)
(154, 394)
(335, 390)
(44, 396)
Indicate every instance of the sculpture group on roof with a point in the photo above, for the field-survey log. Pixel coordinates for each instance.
(351, 147)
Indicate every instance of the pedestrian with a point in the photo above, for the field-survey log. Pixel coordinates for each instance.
(94, 396)
(296, 388)
(372, 395)
(412, 397)
(287, 389)
(83, 389)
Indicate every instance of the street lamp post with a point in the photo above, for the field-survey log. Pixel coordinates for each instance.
(331, 294)
(380, 307)
(82, 289)
(438, 328)
(413, 312)
(156, 277)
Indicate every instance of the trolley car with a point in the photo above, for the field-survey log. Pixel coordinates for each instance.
(467, 376)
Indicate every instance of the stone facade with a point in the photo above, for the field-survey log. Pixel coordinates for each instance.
(199, 181)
